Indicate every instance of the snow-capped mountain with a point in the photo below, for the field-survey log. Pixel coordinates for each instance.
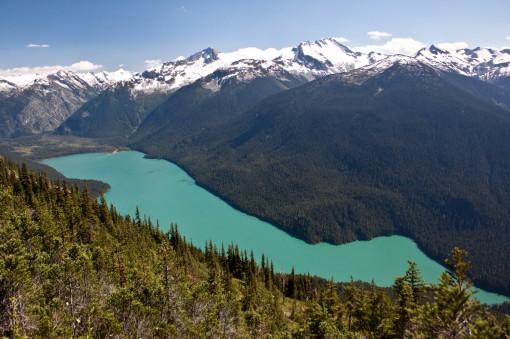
(309, 61)
(359, 75)
(6, 87)
(306, 61)
(104, 80)
(421, 69)
(273, 70)
(56, 96)
(35, 104)
(484, 63)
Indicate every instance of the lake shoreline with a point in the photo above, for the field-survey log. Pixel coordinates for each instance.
(275, 224)
(203, 187)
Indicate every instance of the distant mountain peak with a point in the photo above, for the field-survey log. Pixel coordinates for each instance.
(208, 55)
(307, 60)
(436, 50)
(409, 65)
(431, 50)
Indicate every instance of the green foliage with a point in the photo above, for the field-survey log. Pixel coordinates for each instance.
(453, 314)
(95, 187)
(409, 291)
(70, 266)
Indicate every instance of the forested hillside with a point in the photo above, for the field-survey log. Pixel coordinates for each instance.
(71, 266)
(197, 108)
(406, 150)
(113, 115)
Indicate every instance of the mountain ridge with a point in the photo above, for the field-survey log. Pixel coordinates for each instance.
(38, 112)
(407, 150)
(321, 57)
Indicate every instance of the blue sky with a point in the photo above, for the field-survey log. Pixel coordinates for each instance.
(106, 34)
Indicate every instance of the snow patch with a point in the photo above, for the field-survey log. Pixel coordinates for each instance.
(307, 61)
(23, 80)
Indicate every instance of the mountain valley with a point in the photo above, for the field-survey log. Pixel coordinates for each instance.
(326, 143)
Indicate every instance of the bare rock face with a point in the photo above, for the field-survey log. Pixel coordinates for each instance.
(43, 105)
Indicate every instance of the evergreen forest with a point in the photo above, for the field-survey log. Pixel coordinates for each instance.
(412, 151)
(72, 266)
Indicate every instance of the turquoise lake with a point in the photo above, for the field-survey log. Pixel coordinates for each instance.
(166, 193)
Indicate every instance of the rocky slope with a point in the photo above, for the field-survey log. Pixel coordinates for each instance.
(31, 103)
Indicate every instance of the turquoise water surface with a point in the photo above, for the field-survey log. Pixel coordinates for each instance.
(166, 193)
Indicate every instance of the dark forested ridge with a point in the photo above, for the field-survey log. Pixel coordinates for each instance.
(113, 115)
(411, 151)
(195, 108)
(71, 266)
(116, 113)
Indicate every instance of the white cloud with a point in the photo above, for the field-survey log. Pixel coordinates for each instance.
(78, 67)
(153, 63)
(453, 46)
(37, 46)
(508, 38)
(83, 66)
(341, 39)
(406, 46)
(376, 35)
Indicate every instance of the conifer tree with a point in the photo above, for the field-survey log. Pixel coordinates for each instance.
(453, 311)
(71, 267)
(290, 291)
(409, 290)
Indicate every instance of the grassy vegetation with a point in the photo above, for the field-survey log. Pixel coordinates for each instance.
(45, 146)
